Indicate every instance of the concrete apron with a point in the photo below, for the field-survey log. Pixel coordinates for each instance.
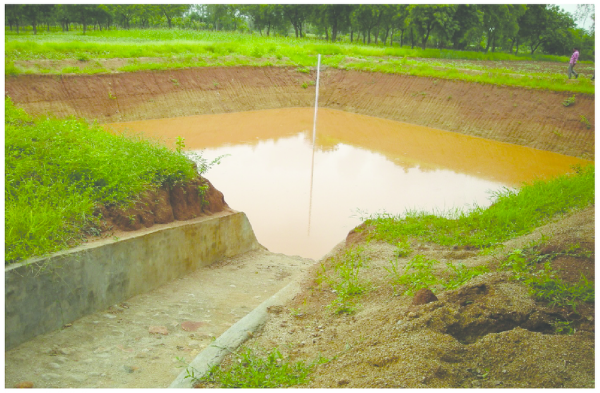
(45, 294)
(235, 336)
(151, 338)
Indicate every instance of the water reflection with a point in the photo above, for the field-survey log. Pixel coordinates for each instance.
(360, 162)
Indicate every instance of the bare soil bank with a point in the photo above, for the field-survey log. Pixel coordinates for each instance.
(489, 333)
(527, 117)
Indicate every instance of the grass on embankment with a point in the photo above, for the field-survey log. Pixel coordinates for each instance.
(513, 213)
(58, 171)
(173, 49)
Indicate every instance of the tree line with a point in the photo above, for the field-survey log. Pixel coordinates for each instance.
(512, 28)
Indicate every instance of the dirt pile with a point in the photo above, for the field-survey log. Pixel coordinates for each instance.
(488, 333)
(180, 202)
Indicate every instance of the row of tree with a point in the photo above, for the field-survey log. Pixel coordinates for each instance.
(485, 27)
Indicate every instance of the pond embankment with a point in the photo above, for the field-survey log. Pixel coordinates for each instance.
(527, 117)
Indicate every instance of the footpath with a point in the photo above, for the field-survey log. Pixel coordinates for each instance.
(148, 340)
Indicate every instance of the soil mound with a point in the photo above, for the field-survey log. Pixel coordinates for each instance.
(490, 332)
(179, 202)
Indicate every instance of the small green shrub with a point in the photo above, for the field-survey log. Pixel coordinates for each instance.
(348, 282)
(418, 273)
(585, 121)
(250, 370)
(569, 101)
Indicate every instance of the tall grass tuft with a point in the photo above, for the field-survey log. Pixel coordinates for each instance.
(58, 171)
(512, 214)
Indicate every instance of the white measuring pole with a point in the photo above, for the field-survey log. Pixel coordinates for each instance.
(316, 100)
(312, 166)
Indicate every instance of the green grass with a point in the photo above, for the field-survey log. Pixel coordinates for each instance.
(544, 283)
(57, 171)
(252, 370)
(513, 213)
(419, 273)
(188, 48)
(347, 283)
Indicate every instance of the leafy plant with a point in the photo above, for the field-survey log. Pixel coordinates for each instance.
(585, 121)
(403, 249)
(348, 283)
(544, 284)
(564, 327)
(418, 273)
(254, 371)
(462, 274)
(179, 144)
(569, 101)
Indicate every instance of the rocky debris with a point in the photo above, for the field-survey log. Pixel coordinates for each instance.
(24, 385)
(423, 296)
(158, 330)
(190, 326)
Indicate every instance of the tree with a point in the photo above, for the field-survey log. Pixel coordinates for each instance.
(297, 14)
(265, 16)
(470, 26)
(85, 13)
(172, 11)
(34, 13)
(500, 20)
(399, 21)
(365, 18)
(426, 18)
(14, 15)
(583, 12)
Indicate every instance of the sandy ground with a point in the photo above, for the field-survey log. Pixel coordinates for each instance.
(126, 346)
(488, 333)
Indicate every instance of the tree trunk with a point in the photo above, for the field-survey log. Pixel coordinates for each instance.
(351, 35)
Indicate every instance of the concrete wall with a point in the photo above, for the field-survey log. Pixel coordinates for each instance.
(44, 294)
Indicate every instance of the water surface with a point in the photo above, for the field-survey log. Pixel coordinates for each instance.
(302, 201)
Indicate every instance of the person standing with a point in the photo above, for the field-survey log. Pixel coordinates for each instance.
(572, 63)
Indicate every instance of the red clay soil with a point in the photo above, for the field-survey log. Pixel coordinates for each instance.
(180, 202)
(527, 117)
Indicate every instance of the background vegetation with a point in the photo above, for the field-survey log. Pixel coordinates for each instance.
(508, 28)
(57, 171)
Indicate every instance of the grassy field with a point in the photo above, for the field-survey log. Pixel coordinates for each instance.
(58, 170)
(169, 49)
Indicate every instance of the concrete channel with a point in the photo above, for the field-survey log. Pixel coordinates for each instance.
(139, 312)
(45, 294)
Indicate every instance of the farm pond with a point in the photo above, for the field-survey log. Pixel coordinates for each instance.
(303, 200)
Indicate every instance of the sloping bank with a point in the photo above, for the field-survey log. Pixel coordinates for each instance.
(521, 116)
(527, 117)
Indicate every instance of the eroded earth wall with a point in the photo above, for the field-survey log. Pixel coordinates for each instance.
(527, 117)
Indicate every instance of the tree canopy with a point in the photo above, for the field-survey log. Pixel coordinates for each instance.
(535, 28)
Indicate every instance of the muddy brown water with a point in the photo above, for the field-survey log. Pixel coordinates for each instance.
(303, 202)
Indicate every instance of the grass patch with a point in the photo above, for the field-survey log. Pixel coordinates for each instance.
(513, 213)
(229, 49)
(347, 283)
(420, 273)
(252, 370)
(58, 171)
(544, 283)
